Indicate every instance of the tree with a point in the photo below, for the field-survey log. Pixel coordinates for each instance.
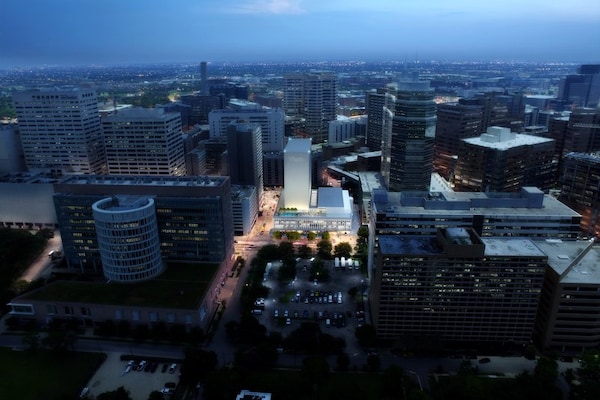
(366, 335)
(343, 249)
(304, 251)
(119, 394)
(324, 249)
(342, 362)
(363, 233)
(589, 376)
(197, 364)
(156, 395)
(325, 236)
(311, 236)
(315, 370)
(373, 363)
(31, 340)
(546, 370)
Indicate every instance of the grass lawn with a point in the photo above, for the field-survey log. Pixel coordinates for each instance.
(45, 374)
(181, 286)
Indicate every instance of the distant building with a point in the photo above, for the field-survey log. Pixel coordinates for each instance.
(583, 131)
(455, 121)
(144, 141)
(583, 88)
(380, 110)
(502, 161)
(249, 395)
(273, 169)
(201, 105)
(412, 139)
(495, 111)
(61, 131)
(313, 97)
(271, 122)
(580, 189)
(12, 159)
(344, 128)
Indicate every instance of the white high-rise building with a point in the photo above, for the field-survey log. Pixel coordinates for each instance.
(270, 120)
(60, 130)
(142, 141)
(297, 173)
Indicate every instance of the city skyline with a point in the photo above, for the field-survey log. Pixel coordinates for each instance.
(68, 32)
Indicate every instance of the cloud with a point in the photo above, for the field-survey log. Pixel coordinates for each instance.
(268, 7)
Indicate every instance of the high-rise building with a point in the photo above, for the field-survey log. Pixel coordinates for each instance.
(201, 105)
(61, 130)
(244, 153)
(583, 131)
(583, 88)
(11, 150)
(380, 110)
(203, 78)
(580, 189)
(502, 161)
(144, 141)
(455, 121)
(495, 112)
(271, 121)
(313, 97)
(412, 138)
(297, 174)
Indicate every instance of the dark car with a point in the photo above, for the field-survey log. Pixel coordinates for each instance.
(153, 366)
(148, 366)
(484, 360)
(164, 368)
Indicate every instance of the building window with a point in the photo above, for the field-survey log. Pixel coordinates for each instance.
(51, 309)
(85, 311)
(135, 315)
(153, 316)
(171, 317)
(118, 314)
(69, 310)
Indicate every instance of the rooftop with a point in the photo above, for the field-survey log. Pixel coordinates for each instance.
(297, 145)
(134, 180)
(498, 138)
(575, 261)
(181, 286)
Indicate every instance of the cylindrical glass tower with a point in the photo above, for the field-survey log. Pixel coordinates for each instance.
(128, 240)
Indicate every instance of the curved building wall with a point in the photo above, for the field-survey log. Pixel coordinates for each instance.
(128, 241)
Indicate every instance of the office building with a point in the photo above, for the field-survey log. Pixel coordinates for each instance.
(528, 213)
(380, 110)
(128, 242)
(412, 139)
(583, 131)
(568, 309)
(455, 121)
(297, 174)
(193, 215)
(201, 105)
(270, 120)
(345, 128)
(495, 111)
(580, 189)
(312, 97)
(61, 131)
(502, 161)
(456, 288)
(273, 169)
(12, 159)
(581, 89)
(144, 141)
(244, 154)
(244, 206)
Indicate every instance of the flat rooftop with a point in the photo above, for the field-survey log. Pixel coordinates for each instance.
(181, 286)
(297, 145)
(578, 261)
(517, 140)
(133, 180)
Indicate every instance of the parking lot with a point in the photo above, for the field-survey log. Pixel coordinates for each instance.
(327, 303)
(139, 382)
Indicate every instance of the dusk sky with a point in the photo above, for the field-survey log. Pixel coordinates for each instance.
(75, 32)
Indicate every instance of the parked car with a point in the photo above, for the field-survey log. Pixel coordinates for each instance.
(164, 368)
(172, 368)
(141, 365)
(484, 360)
